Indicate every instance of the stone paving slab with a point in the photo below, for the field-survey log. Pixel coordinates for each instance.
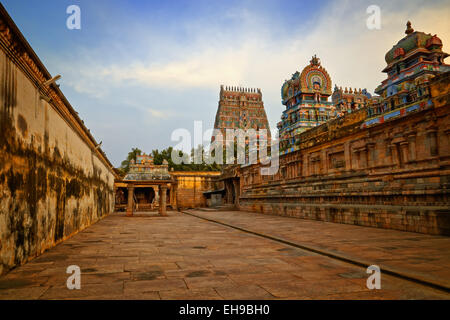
(184, 257)
(419, 256)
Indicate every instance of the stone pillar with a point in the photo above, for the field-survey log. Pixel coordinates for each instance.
(432, 141)
(446, 142)
(363, 158)
(156, 195)
(236, 192)
(228, 192)
(394, 156)
(174, 197)
(324, 161)
(152, 204)
(130, 203)
(405, 151)
(305, 165)
(159, 197)
(388, 158)
(162, 199)
(355, 159)
(412, 146)
(115, 198)
(371, 159)
(347, 156)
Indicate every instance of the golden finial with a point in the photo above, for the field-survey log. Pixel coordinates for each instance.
(315, 61)
(408, 28)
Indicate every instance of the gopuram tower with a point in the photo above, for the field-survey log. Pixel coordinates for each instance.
(240, 108)
(305, 96)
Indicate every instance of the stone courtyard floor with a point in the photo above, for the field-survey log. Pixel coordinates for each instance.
(181, 256)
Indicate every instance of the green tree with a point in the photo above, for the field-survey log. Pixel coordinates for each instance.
(166, 154)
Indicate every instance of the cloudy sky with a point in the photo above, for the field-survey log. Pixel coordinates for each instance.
(137, 70)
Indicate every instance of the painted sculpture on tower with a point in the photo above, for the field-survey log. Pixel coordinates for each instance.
(411, 64)
(144, 169)
(305, 96)
(350, 100)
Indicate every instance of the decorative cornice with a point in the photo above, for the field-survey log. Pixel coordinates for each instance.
(17, 48)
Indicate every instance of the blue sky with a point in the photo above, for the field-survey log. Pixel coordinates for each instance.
(137, 70)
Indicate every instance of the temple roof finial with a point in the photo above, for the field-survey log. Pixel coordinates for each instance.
(315, 61)
(409, 30)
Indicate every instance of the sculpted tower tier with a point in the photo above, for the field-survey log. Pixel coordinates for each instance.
(411, 64)
(240, 108)
(305, 96)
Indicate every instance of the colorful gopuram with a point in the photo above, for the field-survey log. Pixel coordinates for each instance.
(305, 96)
(411, 64)
(385, 165)
(240, 108)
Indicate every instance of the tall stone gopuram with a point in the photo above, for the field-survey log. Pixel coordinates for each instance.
(240, 108)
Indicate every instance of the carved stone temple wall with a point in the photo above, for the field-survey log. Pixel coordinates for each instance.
(54, 178)
(394, 174)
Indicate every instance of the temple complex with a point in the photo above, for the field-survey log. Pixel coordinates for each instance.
(384, 163)
(305, 96)
(360, 161)
(240, 108)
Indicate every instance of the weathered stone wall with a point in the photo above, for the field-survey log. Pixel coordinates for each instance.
(394, 175)
(53, 181)
(191, 185)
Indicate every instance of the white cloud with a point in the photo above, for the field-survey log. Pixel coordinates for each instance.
(352, 53)
(257, 52)
(157, 114)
